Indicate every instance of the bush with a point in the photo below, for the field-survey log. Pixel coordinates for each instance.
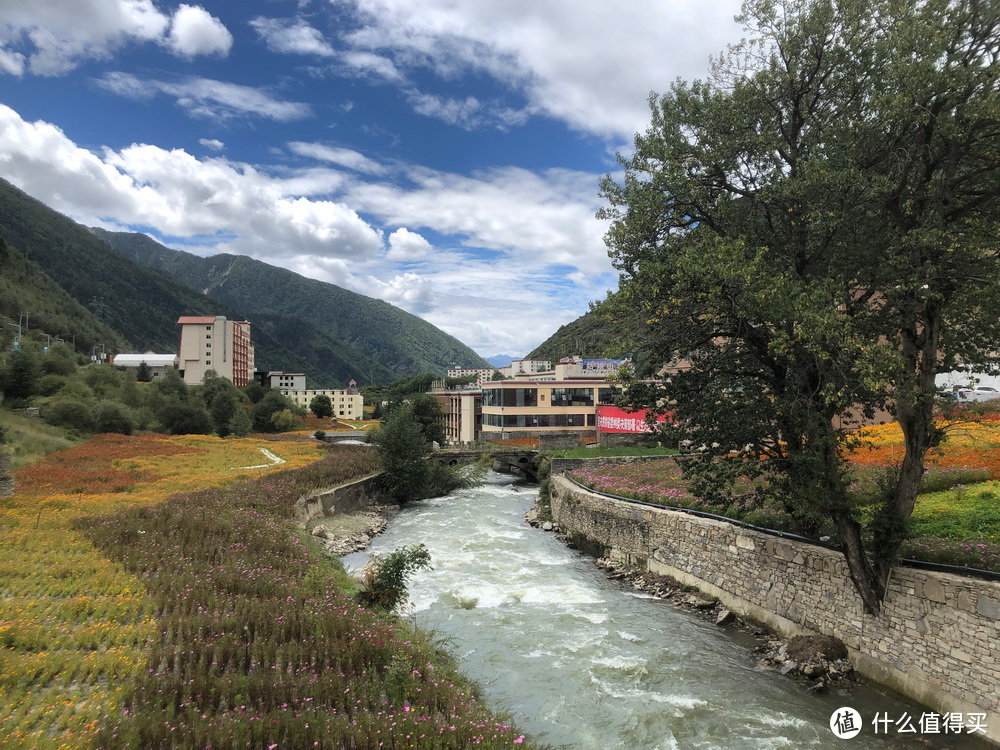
(283, 421)
(385, 577)
(180, 418)
(50, 385)
(320, 434)
(266, 408)
(74, 415)
(241, 423)
(113, 416)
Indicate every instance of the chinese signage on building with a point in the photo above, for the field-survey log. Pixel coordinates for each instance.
(613, 419)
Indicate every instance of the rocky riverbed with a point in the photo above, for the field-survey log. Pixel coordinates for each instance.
(345, 533)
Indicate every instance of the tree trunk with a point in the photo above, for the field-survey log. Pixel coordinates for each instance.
(867, 580)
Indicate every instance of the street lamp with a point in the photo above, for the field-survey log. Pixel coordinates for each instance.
(17, 341)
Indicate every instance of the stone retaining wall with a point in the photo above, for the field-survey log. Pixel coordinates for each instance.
(346, 498)
(937, 639)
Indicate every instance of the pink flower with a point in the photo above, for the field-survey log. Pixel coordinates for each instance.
(519, 740)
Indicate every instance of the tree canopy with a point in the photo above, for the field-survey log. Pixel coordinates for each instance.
(811, 234)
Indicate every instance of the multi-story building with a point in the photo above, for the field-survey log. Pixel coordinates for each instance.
(347, 403)
(462, 409)
(280, 380)
(210, 342)
(542, 406)
(482, 374)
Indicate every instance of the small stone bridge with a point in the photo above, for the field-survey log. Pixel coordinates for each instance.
(522, 463)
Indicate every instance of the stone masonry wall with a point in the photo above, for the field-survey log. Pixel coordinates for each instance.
(937, 639)
(349, 497)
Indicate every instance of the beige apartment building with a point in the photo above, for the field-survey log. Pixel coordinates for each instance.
(210, 342)
(482, 374)
(347, 403)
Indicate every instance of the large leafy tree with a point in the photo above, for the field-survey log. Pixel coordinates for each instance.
(813, 232)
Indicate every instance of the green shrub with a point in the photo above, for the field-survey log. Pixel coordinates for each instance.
(74, 415)
(113, 416)
(385, 577)
(283, 421)
(50, 385)
(180, 418)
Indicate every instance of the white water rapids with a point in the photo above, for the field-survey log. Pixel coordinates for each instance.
(581, 662)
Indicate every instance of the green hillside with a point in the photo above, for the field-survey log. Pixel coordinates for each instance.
(399, 341)
(594, 334)
(72, 281)
(24, 286)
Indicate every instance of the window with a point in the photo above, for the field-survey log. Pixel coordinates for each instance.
(606, 396)
(572, 396)
(208, 361)
(510, 397)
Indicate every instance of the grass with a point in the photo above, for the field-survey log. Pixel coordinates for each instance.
(29, 439)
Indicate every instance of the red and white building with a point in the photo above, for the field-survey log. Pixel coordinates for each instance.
(210, 342)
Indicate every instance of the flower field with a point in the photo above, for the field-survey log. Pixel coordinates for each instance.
(154, 595)
(957, 516)
(74, 625)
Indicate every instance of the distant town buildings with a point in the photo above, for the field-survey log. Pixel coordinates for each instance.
(481, 374)
(210, 342)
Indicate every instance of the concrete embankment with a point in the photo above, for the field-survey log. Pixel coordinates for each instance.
(937, 639)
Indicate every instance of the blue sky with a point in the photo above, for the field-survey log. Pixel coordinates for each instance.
(442, 155)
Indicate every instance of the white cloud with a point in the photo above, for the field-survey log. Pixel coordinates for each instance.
(55, 36)
(407, 245)
(468, 113)
(547, 217)
(11, 62)
(212, 143)
(410, 291)
(178, 195)
(370, 64)
(343, 157)
(591, 65)
(291, 36)
(207, 98)
(194, 31)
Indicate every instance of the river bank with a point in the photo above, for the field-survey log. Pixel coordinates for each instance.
(581, 661)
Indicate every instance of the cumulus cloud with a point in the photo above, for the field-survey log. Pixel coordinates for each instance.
(343, 157)
(548, 216)
(194, 31)
(407, 245)
(412, 292)
(207, 98)
(178, 195)
(52, 37)
(291, 36)
(590, 65)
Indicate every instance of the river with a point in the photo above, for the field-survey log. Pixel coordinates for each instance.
(581, 662)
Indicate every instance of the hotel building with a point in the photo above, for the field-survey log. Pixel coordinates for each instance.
(210, 342)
